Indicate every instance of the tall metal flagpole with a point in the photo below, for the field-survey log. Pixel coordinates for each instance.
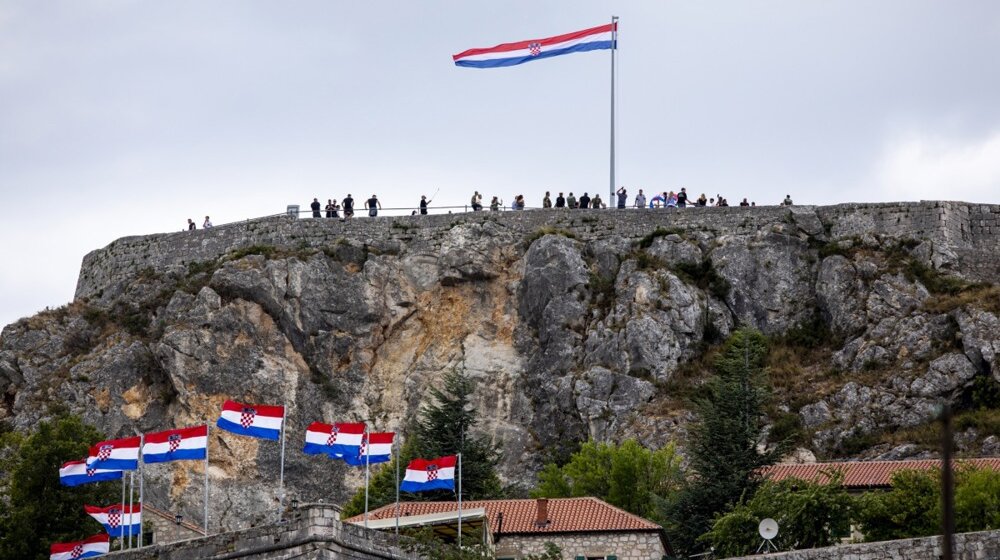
(208, 430)
(142, 505)
(364, 447)
(614, 47)
(122, 536)
(459, 502)
(398, 459)
(131, 486)
(281, 472)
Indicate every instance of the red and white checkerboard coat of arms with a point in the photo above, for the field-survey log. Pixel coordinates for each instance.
(174, 440)
(114, 517)
(333, 435)
(535, 49)
(363, 450)
(247, 416)
(77, 551)
(91, 472)
(432, 472)
(105, 452)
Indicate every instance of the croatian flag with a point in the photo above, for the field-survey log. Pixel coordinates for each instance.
(97, 545)
(75, 473)
(254, 420)
(339, 440)
(511, 54)
(434, 474)
(121, 454)
(118, 520)
(375, 448)
(175, 445)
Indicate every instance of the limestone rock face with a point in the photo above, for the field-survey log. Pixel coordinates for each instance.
(573, 325)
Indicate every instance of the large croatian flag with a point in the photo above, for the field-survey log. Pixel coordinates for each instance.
(175, 445)
(121, 454)
(97, 545)
(375, 448)
(118, 520)
(434, 474)
(339, 440)
(511, 54)
(254, 420)
(75, 473)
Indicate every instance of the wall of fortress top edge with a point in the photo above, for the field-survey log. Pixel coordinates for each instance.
(969, 231)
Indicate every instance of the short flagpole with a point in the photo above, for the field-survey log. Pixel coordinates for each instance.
(131, 485)
(142, 505)
(398, 459)
(614, 47)
(122, 533)
(459, 503)
(281, 472)
(365, 446)
(207, 433)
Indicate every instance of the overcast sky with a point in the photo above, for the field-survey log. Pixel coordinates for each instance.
(123, 118)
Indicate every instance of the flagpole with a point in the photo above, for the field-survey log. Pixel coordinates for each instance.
(365, 445)
(142, 439)
(396, 451)
(207, 433)
(614, 47)
(131, 485)
(122, 535)
(281, 472)
(460, 503)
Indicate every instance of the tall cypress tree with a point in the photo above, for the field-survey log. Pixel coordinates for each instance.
(723, 444)
(443, 428)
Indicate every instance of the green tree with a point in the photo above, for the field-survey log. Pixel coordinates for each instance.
(443, 428)
(809, 515)
(36, 510)
(723, 444)
(626, 475)
(977, 500)
(912, 508)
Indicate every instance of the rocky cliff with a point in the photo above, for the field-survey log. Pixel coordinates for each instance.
(575, 324)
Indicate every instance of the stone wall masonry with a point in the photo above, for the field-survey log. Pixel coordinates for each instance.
(625, 546)
(970, 231)
(968, 546)
(313, 531)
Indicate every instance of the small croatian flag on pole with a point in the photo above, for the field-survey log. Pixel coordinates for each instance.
(339, 440)
(118, 520)
(121, 454)
(375, 448)
(434, 474)
(254, 420)
(75, 473)
(98, 545)
(511, 54)
(175, 445)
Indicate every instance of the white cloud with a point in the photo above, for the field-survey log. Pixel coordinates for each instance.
(933, 167)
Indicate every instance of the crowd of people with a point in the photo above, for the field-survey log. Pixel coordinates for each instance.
(668, 199)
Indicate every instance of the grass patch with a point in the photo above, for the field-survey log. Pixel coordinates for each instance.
(704, 276)
(648, 239)
(602, 291)
(266, 251)
(549, 230)
(980, 296)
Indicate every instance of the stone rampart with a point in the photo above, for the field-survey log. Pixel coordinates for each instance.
(968, 546)
(313, 531)
(970, 232)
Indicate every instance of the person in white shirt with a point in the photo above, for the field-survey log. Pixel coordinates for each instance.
(207, 224)
(640, 200)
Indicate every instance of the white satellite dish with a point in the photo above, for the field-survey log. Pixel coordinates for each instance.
(768, 528)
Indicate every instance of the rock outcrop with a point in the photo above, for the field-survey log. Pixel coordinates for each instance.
(574, 325)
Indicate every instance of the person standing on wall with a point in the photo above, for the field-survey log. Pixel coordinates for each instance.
(348, 205)
(622, 198)
(373, 206)
(547, 201)
(207, 224)
(423, 205)
(191, 225)
(315, 208)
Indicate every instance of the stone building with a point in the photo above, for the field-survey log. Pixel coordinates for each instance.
(864, 476)
(162, 527)
(583, 528)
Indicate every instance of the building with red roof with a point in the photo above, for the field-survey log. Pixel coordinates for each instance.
(860, 476)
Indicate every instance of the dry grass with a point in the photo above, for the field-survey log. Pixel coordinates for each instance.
(980, 296)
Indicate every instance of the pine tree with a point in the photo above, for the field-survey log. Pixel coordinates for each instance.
(35, 510)
(723, 444)
(443, 428)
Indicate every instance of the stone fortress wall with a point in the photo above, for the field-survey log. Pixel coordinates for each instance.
(983, 545)
(966, 236)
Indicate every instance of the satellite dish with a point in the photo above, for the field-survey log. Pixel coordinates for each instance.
(768, 528)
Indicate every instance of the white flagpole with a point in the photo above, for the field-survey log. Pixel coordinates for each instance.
(366, 446)
(142, 440)
(460, 503)
(131, 486)
(208, 430)
(398, 459)
(281, 472)
(614, 47)
(122, 536)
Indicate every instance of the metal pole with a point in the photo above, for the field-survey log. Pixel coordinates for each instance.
(460, 503)
(208, 430)
(398, 459)
(947, 485)
(281, 471)
(364, 447)
(142, 440)
(122, 533)
(131, 485)
(614, 47)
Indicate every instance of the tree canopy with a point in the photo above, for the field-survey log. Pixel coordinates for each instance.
(36, 510)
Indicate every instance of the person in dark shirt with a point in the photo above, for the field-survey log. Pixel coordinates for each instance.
(191, 225)
(329, 208)
(423, 205)
(373, 206)
(744, 203)
(348, 205)
(622, 198)
(584, 201)
(682, 198)
(560, 201)
(315, 208)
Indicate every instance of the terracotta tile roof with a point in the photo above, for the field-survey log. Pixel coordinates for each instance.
(566, 515)
(866, 474)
